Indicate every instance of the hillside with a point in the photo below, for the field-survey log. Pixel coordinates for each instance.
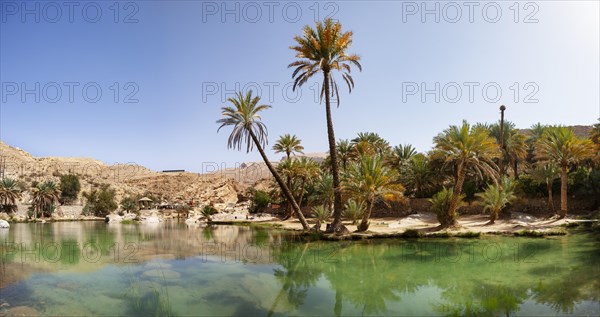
(219, 188)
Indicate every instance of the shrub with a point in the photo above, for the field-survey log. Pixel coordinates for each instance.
(69, 188)
(260, 201)
(412, 233)
(441, 204)
(129, 204)
(208, 211)
(100, 202)
(321, 214)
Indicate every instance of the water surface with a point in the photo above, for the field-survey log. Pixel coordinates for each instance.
(98, 269)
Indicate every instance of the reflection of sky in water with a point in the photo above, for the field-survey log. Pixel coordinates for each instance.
(172, 276)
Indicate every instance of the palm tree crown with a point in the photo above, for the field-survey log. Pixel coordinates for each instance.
(324, 49)
(288, 144)
(9, 193)
(45, 194)
(245, 118)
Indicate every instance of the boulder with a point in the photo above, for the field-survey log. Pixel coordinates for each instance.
(151, 219)
(4, 224)
(113, 218)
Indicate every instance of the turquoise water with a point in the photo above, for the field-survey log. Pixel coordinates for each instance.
(96, 269)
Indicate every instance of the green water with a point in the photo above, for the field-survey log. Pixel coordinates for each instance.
(96, 269)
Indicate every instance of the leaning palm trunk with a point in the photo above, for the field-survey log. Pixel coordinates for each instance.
(336, 225)
(284, 188)
(364, 223)
(289, 212)
(462, 171)
(563, 192)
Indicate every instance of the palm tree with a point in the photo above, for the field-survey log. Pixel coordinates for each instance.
(45, 195)
(401, 154)
(344, 150)
(354, 210)
(9, 194)
(245, 118)
(420, 175)
(369, 143)
(496, 197)
(324, 191)
(323, 49)
(369, 180)
(321, 214)
(307, 171)
(546, 174)
(288, 144)
(466, 148)
(515, 146)
(560, 146)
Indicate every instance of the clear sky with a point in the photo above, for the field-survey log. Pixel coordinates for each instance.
(175, 63)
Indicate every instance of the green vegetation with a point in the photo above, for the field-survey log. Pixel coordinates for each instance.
(369, 180)
(69, 188)
(324, 49)
(100, 202)
(467, 148)
(207, 212)
(441, 204)
(560, 146)
(10, 193)
(248, 128)
(496, 197)
(321, 214)
(354, 210)
(260, 202)
(46, 196)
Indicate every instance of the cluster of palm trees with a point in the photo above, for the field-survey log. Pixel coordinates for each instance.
(45, 196)
(361, 172)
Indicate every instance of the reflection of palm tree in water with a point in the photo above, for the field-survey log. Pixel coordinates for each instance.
(296, 279)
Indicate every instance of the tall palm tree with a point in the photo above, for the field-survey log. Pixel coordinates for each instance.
(466, 148)
(323, 49)
(562, 147)
(369, 180)
(288, 144)
(245, 118)
(9, 194)
(45, 194)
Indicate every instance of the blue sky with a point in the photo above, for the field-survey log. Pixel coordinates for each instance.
(177, 62)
